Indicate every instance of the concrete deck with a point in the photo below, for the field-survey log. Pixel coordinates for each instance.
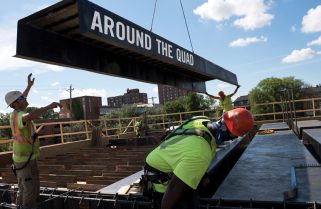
(263, 172)
(307, 124)
(274, 126)
(313, 138)
(222, 152)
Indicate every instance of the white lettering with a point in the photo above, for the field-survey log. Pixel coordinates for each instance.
(120, 31)
(123, 32)
(108, 26)
(164, 48)
(178, 55)
(184, 57)
(170, 51)
(191, 60)
(96, 22)
(139, 38)
(158, 45)
(148, 42)
(130, 35)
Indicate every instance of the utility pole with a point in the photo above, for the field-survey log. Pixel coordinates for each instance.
(152, 98)
(70, 99)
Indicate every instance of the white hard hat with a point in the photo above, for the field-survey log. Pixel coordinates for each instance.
(12, 96)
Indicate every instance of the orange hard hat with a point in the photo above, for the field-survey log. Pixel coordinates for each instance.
(238, 121)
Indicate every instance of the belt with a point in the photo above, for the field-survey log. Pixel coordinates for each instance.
(156, 176)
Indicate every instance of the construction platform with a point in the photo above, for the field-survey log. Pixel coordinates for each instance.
(263, 173)
(312, 137)
(274, 126)
(226, 153)
(299, 126)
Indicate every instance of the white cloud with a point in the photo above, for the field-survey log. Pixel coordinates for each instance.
(34, 90)
(55, 83)
(241, 42)
(55, 68)
(315, 42)
(311, 22)
(45, 98)
(251, 14)
(319, 52)
(299, 55)
(293, 28)
(8, 50)
(222, 86)
(85, 92)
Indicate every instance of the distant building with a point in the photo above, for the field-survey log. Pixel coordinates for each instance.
(169, 93)
(106, 110)
(132, 96)
(242, 101)
(311, 92)
(88, 105)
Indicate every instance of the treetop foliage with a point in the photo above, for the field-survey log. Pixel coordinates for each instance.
(274, 89)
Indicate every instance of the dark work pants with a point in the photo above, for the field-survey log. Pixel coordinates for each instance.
(28, 184)
(189, 200)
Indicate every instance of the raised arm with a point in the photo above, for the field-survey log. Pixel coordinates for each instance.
(38, 112)
(30, 84)
(211, 96)
(230, 95)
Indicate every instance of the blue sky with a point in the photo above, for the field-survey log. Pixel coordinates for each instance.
(254, 39)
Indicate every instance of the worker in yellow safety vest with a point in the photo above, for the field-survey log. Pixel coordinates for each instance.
(25, 145)
(225, 100)
(175, 168)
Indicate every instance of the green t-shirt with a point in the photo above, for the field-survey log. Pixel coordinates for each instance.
(188, 157)
(226, 104)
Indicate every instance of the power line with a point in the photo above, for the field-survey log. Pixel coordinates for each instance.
(152, 98)
(70, 99)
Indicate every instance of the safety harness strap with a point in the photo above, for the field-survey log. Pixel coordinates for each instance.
(194, 131)
(156, 176)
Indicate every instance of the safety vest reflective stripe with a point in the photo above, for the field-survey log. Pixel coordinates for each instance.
(18, 137)
(20, 141)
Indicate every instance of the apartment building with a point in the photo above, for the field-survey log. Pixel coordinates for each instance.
(169, 93)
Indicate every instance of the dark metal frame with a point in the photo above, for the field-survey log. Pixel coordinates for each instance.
(61, 35)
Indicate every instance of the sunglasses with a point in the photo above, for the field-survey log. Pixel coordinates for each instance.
(21, 98)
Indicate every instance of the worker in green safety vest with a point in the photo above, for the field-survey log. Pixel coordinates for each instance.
(225, 100)
(25, 145)
(175, 168)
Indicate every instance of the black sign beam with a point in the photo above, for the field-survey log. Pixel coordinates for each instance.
(80, 34)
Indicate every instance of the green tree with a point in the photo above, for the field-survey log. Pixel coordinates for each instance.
(191, 102)
(4, 121)
(272, 90)
(174, 106)
(50, 114)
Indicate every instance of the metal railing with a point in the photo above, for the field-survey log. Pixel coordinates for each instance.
(285, 110)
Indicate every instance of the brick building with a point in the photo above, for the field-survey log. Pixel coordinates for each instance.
(312, 92)
(169, 93)
(86, 107)
(132, 96)
(242, 101)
